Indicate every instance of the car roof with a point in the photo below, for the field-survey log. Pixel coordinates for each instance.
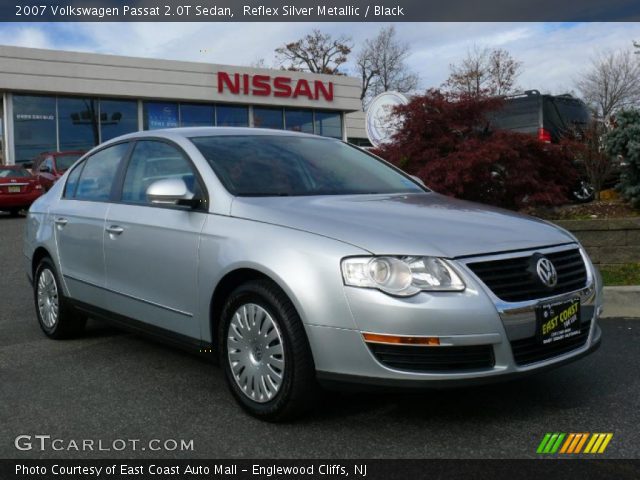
(188, 132)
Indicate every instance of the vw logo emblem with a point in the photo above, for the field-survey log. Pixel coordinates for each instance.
(546, 272)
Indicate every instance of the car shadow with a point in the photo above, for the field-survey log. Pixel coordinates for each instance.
(519, 399)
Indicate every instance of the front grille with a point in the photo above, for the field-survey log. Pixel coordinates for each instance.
(434, 359)
(510, 279)
(530, 350)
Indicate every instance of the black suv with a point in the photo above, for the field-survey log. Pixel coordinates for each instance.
(549, 117)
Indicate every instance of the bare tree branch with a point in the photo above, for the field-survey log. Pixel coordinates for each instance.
(382, 65)
(484, 72)
(611, 83)
(316, 52)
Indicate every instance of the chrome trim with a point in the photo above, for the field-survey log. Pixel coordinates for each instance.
(14, 184)
(518, 318)
(164, 307)
(504, 306)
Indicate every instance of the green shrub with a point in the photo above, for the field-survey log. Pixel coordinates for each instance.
(624, 141)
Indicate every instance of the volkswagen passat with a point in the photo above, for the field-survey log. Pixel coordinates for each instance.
(298, 259)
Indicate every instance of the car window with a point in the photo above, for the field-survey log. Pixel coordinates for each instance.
(14, 173)
(99, 172)
(63, 162)
(280, 165)
(152, 161)
(72, 182)
(47, 165)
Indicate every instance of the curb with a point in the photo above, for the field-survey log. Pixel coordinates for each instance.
(622, 302)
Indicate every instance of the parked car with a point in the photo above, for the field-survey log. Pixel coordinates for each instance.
(551, 118)
(50, 166)
(18, 188)
(299, 259)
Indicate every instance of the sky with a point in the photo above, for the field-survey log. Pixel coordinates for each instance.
(553, 54)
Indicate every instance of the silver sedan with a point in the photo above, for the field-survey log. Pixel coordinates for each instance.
(299, 261)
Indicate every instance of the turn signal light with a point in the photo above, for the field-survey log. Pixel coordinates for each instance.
(400, 339)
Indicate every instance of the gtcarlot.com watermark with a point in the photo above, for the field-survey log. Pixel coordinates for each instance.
(47, 443)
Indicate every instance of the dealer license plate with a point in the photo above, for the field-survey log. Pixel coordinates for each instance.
(14, 189)
(558, 321)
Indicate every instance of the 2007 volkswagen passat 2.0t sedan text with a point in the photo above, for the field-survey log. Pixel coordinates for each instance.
(301, 260)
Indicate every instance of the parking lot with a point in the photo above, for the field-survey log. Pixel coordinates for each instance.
(113, 385)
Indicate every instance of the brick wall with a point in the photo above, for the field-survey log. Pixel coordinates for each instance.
(608, 242)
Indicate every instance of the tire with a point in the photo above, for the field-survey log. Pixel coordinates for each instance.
(14, 212)
(57, 318)
(288, 372)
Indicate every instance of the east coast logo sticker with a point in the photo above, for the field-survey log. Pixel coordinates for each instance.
(574, 443)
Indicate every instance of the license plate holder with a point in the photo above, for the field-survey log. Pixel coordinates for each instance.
(557, 322)
(14, 189)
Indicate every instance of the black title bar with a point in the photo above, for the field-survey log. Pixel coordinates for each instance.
(331, 469)
(319, 11)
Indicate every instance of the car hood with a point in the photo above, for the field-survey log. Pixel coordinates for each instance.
(404, 224)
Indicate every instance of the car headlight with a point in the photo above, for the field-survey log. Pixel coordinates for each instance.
(402, 276)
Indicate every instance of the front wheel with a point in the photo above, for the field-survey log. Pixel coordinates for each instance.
(56, 317)
(265, 353)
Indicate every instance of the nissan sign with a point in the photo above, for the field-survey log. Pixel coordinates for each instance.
(276, 86)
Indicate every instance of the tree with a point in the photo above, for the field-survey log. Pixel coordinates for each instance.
(612, 83)
(590, 152)
(382, 65)
(316, 52)
(484, 72)
(446, 141)
(622, 141)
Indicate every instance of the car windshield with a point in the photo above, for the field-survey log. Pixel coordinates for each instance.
(14, 173)
(283, 165)
(63, 162)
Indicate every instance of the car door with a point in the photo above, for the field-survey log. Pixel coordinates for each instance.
(151, 250)
(79, 218)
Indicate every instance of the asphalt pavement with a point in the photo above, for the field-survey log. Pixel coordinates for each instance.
(110, 385)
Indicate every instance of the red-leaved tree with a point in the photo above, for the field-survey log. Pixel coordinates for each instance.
(448, 142)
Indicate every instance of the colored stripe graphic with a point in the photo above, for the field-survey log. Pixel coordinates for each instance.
(573, 443)
(550, 443)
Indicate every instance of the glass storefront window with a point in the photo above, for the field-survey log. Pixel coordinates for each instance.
(160, 115)
(329, 124)
(194, 115)
(298, 119)
(232, 116)
(78, 123)
(34, 124)
(264, 117)
(117, 117)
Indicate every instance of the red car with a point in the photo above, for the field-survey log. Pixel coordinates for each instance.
(18, 188)
(50, 166)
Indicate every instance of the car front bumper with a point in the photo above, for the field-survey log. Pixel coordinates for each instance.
(473, 319)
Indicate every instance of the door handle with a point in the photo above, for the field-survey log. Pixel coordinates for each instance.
(114, 230)
(61, 221)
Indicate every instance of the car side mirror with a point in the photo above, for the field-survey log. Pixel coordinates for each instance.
(418, 179)
(171, 191)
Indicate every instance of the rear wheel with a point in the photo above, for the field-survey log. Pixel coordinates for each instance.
(265, 354)
(56, 317)
(584, 192)
(14, 212)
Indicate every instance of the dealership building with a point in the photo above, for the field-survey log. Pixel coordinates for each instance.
(59, 101)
